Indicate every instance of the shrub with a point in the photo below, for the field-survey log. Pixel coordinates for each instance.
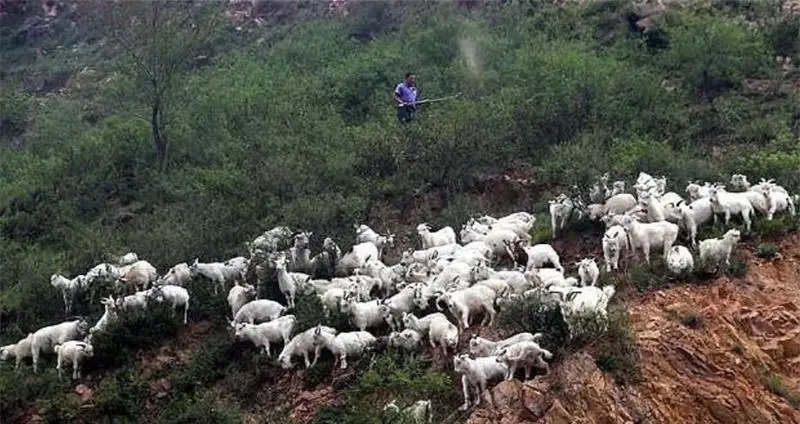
(389, 377)
(535, 314)
(692, 320)
(616, 350)
(776, 384)
(767, 251)
(16, 107)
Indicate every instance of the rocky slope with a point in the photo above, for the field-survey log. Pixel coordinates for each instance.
(710, 354)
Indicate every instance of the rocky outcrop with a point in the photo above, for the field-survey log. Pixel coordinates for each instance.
(705, 354)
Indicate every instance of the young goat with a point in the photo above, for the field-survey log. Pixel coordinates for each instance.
(342, 345)
(75, 352)
(715, 251)
(527, 354)
(69, 288)
(476, 374)
(262, 335)
(442, 237)
(588, 271)
(480, 347)
(680, 260)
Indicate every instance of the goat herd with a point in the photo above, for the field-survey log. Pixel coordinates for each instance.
(494, 264)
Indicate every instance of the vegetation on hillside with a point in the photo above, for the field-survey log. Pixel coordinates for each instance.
(292, 123)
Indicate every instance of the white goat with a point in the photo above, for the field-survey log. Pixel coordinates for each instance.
(438, 328)
(288, 282)
(258, 311)
(216, 272)
(615, 245)
(363, 315)
(342, 345)
(75, 352)
(655, 211)
(715, 251)
(423, 256)
(302, 344)
(515, 279)
(470, 301)
(527, 354)
(588, 271)
(178, 275)
(442, 237)
(69, 289)
(419, 412)
(614, 205)
(109, 316)
(691, 216)
(697, 191)
(139, 275)
(239, 295)
(395, 306)
(408, 340)
(617, 187)
(680, 260)
(540, 254)
(128, 259)
(261, 335)
(599, 191)
(358, 255)
(476, 374)
(365, 234)
(778, 201)
(731, 203)
(138, 300)
(45, 338)
(561, 210)
(19, 350)
(176, 296)
(480, 347)
(646, 236)
(585, 300)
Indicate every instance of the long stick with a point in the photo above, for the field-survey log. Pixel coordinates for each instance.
(431, 100)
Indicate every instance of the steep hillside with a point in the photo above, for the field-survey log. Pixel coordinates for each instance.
(279, 113)
(723, 352)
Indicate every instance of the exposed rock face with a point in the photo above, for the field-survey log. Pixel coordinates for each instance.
(713, 373)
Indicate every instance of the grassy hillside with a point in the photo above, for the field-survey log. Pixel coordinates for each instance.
(292, 123)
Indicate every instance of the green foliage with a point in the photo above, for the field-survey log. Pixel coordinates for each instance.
(767, 251)
(612, 341)
(16, 107)
(713, 55)
(779, 160)
(777, 385)
(616, 350)
(536, 315)
(785, 36)
(391, 377)
(291, 123)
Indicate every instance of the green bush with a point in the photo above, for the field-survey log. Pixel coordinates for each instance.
(536, 315)
(616, 350)
(292, 123)
(391, 377)
(767, 251)
(713, 55)
(16, 108)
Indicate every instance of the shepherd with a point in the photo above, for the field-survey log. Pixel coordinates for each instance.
(405, 94)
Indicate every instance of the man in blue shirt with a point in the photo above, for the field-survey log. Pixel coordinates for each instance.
(405, 94)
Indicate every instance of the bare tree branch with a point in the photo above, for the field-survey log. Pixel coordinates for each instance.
(158, 39)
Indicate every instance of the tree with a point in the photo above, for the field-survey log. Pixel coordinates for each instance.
(159, 39)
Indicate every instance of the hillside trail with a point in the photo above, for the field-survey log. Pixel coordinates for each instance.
(715, 370)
